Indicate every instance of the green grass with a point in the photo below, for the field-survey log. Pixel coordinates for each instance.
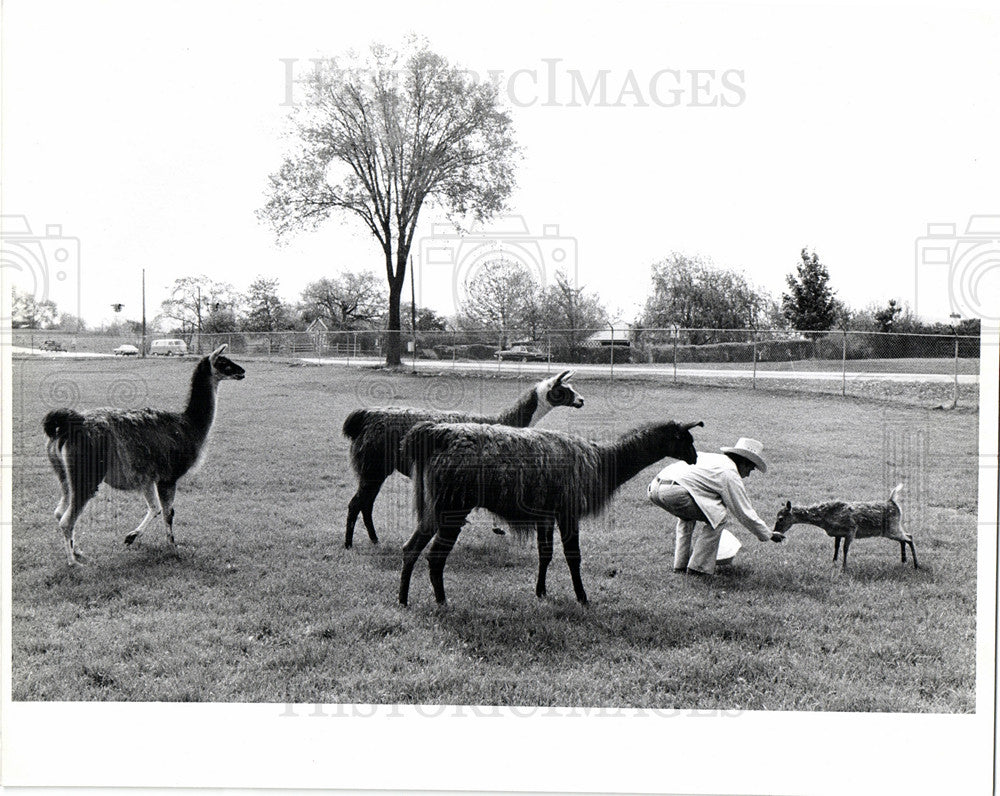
(266, 605)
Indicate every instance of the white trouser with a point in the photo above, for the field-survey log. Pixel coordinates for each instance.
(696, 545)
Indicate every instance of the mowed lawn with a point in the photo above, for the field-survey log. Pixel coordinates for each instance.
(266, 604)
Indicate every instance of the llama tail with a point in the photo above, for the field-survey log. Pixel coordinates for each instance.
(59, 422)
(414, 451)
(895, 492)
(355, 423)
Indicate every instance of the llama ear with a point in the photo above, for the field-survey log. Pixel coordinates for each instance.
(689, 426)
(788, 505)
(215, 354)
(566, 375)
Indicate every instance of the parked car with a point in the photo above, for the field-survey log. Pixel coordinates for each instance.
(52, 345)
(521, 353)
(126, 350)
(168, 347)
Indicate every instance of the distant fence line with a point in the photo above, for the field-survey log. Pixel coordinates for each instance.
(594, 346)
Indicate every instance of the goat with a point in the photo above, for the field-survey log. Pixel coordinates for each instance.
(145, 450)
(850, 521)
(529, 477)
(375, 435)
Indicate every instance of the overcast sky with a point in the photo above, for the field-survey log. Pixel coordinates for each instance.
(148, 132)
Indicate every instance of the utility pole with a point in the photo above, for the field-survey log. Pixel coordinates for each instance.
(143, 313)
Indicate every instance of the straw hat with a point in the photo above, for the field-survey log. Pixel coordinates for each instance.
(749, 449)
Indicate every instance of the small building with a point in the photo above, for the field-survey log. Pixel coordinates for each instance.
(605, 338)
(318, 331)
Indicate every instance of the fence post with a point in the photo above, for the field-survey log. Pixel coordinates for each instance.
(677, 334)
(843, 366)
(612, 353)
(955, 400)
(754, 359)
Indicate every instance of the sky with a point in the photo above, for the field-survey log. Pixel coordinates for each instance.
(141, 136)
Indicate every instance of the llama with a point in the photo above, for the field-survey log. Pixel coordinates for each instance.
(529, 477)
(144, 450)
(850, 521)
(375, 435)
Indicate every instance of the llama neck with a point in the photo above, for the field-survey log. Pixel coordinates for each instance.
(627, 457)
(526, 412)
(200, 408)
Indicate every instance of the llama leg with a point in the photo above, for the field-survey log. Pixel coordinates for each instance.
(913, 552)
(84, 468)
(153, 510)
(847, 543)
(836, 548)
(902, 551)
(426, 528)
(444, 540)
(166, 493)
(362, 503)
(67, 523)
(569, 530)
(57, 464)
(544, 530)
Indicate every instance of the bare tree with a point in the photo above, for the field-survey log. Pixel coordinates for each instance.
(501, 294)
(382, 138)
(572, 310)
(194, 299)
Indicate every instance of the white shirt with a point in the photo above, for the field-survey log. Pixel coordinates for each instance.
(716, 486)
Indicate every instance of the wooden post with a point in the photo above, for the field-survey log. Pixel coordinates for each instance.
(755, 359)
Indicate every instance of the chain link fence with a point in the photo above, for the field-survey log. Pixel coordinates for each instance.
(921, 367)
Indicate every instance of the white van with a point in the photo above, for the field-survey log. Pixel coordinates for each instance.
(168, 347)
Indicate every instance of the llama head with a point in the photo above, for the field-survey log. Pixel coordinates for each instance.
(223, 367)
(784, 520)
(557, 391)
(683, 443)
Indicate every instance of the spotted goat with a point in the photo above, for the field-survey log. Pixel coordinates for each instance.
(850, 521)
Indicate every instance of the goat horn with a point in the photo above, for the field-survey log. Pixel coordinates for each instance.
(689, 426)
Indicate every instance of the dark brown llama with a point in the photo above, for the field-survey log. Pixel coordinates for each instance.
(532, 478)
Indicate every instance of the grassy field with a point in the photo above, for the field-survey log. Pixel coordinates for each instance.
(266, 605)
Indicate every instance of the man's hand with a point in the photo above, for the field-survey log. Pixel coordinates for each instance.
(777, 537)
